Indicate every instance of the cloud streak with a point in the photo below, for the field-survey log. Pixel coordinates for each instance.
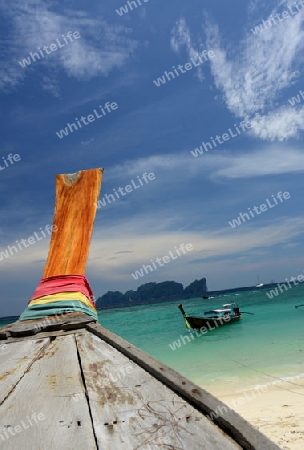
(101, 49)
(268, 160)
(253, 76)
(181, 37)
(118, 249)
(207, 245)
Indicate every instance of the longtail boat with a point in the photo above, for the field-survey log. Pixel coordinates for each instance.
(229, 313)
(68, 383)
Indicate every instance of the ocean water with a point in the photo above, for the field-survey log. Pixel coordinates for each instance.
(6, 320)
(258, 349)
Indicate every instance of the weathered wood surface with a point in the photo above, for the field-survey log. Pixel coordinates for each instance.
(15, 360)
(105, 393)
(75, 210)
(47, 390)
(42, 335)
(68, 321)
(131, 409)
(228, 420)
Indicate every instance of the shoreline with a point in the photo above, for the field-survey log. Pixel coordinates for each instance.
(274, 408)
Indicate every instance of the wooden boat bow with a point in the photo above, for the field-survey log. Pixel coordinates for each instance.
(68, 383)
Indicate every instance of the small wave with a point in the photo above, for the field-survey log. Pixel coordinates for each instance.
(285, 379)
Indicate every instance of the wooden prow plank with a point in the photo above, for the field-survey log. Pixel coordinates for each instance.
(75, 210)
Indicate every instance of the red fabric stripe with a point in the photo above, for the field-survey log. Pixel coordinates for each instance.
(64, 283)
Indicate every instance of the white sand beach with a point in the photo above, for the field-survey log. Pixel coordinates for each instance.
(278, 412)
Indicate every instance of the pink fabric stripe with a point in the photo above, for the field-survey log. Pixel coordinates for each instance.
(64, 283)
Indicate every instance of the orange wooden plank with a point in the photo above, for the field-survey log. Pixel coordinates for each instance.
(75, 210)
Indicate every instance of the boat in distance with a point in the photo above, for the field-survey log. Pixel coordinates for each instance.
(230, 312)
(259, 284)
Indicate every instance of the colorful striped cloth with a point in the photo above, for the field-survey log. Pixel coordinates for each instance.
(59, 295)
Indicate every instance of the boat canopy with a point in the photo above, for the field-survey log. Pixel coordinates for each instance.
(218, 311)
(221, 310)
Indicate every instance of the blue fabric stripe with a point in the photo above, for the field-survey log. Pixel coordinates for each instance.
(56, 309)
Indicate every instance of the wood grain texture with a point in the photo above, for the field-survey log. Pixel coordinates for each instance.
(75, 210)
(15, 359)
(48, 388)
(68, 321)
(131, 410)
(231, 423)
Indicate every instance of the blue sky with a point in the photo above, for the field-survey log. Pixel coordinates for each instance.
(154, 129)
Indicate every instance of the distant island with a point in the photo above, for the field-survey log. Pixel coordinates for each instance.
(152, 293)
(166, 291)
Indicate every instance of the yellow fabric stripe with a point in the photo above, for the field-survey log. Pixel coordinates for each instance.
(62, 296)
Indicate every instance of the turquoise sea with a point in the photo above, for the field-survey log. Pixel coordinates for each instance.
(259, 349)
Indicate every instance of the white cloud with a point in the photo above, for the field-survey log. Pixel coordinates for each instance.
(268, 160)
(253, 75)
(172, 172)
(117, 250)
(51, 85)
(281, 124)
(180, 37)
(100, 49)
(147, 240)
(166, 162)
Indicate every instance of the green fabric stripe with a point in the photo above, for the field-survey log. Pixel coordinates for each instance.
(56, 308)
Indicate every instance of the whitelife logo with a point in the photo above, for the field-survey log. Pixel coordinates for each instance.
(11, 158)
(31, 240)
(272, 21)
(113, 377)
(298, 99)
(220, 410)
(263, 207)
(166, 259)
(53, 47)
(129, 188)
(24, 424)
(90, 118)
(275, 292)
(225, 137)
(188, 66)
(203, 330)
(124, 9)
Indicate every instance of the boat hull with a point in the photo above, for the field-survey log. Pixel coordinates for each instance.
(196, 323)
